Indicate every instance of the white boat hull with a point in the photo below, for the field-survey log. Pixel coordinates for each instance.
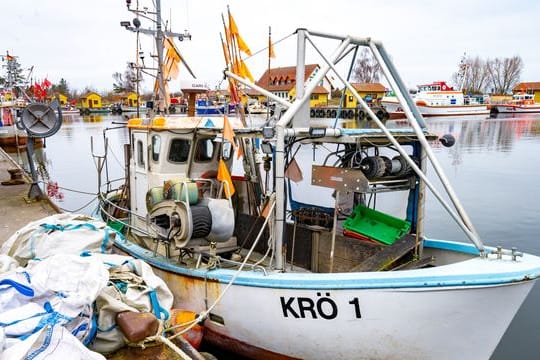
(460, 310)
(395, 109)
(512, 109)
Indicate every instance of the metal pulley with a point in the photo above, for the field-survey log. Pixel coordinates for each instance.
(39, 120)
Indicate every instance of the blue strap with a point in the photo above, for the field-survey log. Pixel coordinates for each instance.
(93, 330)
(68, 227)
(105, 241)
(21, 320)
(21, 288)
(110, 328)
(158, 310)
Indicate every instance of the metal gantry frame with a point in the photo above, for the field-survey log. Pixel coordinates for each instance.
(298, 106)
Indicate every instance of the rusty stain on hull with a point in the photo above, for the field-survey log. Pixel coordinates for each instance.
(190, 293)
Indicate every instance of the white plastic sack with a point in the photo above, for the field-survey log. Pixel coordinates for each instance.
(48, 306)
(133, 286)
(59, 234)
(7, 263)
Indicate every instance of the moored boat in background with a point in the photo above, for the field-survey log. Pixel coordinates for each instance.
(437, 99)
(520, 103)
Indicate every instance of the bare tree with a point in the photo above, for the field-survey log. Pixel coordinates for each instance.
(504, 74)
(472, 75)
(366, 69)
(126, 81)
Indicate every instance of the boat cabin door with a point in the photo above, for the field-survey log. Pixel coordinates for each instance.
(139, 173)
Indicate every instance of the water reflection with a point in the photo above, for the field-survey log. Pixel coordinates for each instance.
(93, 118)
(492, 166)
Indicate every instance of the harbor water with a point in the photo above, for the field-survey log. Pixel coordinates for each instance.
(493, 168)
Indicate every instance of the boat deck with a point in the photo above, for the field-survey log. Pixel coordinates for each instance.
(15, 209)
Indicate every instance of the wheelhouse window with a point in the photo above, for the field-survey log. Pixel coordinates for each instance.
(179, 150)
(140, 153)
(156, 147)
(204, 151)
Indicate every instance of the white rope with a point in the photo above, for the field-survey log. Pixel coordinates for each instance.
(175, 348)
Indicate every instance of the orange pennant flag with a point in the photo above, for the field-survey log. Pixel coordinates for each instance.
(228, 133)
(239, 153)
(234, 32)
(245, 71)
(232, 25)
(242, 45)
(224, 176)
(271, 52)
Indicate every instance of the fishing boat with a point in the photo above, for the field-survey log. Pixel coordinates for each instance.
(206, 107)
(256, 107)
(272, 276)
(520, 103)
(11, 137)
(437, 99)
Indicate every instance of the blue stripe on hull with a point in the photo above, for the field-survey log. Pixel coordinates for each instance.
(367, 280)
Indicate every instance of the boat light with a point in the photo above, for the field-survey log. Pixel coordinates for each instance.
(159, 122)
(268, 132)
(317, 132)
(135, 122)
(267, 148)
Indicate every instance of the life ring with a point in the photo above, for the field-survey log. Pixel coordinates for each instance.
(328, 113)
(312, 113)
(360, 115)
(350, 114)
(380, 114)
(333, 113)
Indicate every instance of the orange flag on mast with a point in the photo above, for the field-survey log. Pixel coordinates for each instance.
(234, 32)
(228, 133)
(224, 176)
(271, 53)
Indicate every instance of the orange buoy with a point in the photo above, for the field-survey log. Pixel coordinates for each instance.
(179, 317)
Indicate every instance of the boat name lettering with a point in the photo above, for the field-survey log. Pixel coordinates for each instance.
(336, 178)
(322, 307)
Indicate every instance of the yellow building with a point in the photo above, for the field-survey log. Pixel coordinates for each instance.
(371, 92)
(91, 100)
(131, 99)
(529, 88)
(319, 96)
(61, 97)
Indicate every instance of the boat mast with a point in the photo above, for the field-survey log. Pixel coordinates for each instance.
(160, 96)
(159, 35)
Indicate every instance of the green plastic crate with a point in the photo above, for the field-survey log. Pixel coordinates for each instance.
(376, 225)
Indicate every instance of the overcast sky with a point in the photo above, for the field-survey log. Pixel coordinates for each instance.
(83, 42)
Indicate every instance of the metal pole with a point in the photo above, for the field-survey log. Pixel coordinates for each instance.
(474, 238)
(258, 88)
(301, 119)
(391, 73)
(280, 152)
(159, 47)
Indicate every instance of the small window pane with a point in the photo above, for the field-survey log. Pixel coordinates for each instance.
(204, 150)
(156, 147)
(140, 154)
(179, 150)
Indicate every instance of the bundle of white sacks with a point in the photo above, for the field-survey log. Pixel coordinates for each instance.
(61, 288)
